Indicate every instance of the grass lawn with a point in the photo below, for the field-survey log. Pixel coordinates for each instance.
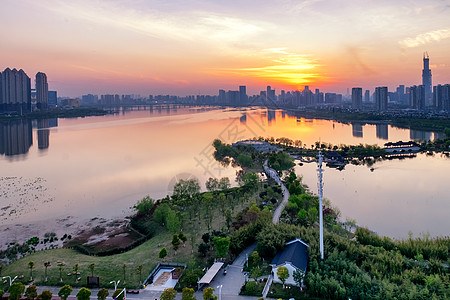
(110, 268)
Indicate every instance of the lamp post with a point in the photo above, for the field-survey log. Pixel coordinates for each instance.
(220, 291)
(116, 283)
(10, 280)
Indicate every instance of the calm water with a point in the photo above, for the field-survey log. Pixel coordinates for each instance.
(100, 166)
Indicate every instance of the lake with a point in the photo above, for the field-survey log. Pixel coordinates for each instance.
(100, 166)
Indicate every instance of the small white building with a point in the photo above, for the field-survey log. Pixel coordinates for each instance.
(293, 257)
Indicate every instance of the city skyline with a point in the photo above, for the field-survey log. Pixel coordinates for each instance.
(192, 47)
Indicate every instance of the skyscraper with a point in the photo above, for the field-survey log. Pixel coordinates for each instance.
(426, 79)
(243, 98)
(15, 91)
(41, 91)
(367, 96)
(357, 98)
(381, 96)
(441, 96)
(417, 97)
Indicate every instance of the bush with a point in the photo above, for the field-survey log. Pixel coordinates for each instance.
(16, 290)
(45, 295)
(65, 291)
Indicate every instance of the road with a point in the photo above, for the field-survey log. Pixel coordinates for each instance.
(274, 175)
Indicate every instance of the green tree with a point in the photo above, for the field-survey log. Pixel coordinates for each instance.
(60, 267)
(186, 188)
(255, 273)
(31, 266)
(160, 213)
(168, 294)
(228, 218)
(145, 205)
(249, 180)
(212, 184)
(208, 294)
(207, 203)
(65, 291)
(139, 271)
(254, 259)
(224, 183)
(222, 244)
(31, 292)
(283, 274)
(175, 242)
(162, 253)
(117, 293)
(16, 290)
(84, 294)
(91, 268)
(46, 265)
(124, 269)
(173, 222)
(182, 238)
(299, 275)
(2, 292)
(102, 294)
(222, 203)
(46, 295)
(187, 294)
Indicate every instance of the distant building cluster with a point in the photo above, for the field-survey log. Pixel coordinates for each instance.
(17, 96)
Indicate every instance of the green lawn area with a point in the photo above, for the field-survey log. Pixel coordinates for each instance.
(107, 268)
(110, 268)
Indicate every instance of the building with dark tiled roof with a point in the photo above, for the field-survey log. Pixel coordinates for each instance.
(293, 257)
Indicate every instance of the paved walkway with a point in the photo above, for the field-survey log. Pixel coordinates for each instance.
(274, 175)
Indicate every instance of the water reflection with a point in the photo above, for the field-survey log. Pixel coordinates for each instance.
(357, 130)
(16, 136)
(382, 131)
(418, 135)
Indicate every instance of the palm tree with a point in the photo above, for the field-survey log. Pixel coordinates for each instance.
(139, 269)
(60, 265)
(46, 265)
(91, 267)
(31, 266)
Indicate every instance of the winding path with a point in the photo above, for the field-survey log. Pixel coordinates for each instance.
(274, 175)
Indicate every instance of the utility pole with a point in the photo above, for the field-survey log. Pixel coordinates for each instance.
(320, 186)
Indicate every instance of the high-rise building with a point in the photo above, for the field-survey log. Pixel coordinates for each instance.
(222, 96)
(41, 91)
(417, 97)
(270, 95)
(357, 98)
(243, 98)
(381, 98)
(426, 79)
(52, 99)
(367, 96)
(15, 91)
(441, 97)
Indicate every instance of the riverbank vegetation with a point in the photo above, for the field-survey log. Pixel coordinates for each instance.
(57, 113)
(195, 228)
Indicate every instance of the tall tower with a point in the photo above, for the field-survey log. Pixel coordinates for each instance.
(41, 91)
(426, 79)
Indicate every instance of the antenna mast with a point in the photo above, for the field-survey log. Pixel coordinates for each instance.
(320, 186)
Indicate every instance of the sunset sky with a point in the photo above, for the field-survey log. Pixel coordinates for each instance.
(198, 46)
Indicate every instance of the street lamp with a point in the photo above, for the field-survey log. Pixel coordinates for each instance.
(10, 280)
(116, 283)
(220, 291)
